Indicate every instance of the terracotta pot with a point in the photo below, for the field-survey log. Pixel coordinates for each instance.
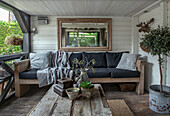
(144, 49)
(87, 92)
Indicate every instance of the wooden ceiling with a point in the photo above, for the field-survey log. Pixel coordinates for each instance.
(81, 7)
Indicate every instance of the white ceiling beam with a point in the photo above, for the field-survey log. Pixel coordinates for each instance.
(154, 5)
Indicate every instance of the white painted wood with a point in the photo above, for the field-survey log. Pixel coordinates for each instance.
(149, 8)
(168, 58)
(152, 69)
(46, 39)
(135, 40)
(152, 75)
(81, 7)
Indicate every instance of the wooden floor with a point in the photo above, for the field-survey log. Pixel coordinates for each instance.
(21, 106)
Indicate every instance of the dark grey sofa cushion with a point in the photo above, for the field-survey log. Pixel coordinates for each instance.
(100, 59)
(99, 73)
(28, 74)
(121, 73)
(73, 56)
(113, 58)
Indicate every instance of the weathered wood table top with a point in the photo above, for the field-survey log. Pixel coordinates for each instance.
(54, 105)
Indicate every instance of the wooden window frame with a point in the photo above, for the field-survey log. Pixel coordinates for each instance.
(84, 20)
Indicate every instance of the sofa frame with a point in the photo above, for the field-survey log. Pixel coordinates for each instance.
(22, 85)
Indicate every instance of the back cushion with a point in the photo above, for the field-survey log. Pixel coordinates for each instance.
(113, 58)
(40, 60)
(100, 59)
(73, 56)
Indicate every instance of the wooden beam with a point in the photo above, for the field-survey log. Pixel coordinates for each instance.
(21, 20)
(154, 5)
(28, 81)
(114, 80)
(13, 56)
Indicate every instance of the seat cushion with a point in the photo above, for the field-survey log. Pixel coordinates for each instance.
(73, 56)
(113, 58)
(100, 59)
(28, 74)
(121, 73)
(99, 73)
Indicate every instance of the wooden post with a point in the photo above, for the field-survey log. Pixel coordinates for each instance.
(140, 85)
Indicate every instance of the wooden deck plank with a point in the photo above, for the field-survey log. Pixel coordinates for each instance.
(62, 107)
(97, 105)
(46, 104)
(81, 107)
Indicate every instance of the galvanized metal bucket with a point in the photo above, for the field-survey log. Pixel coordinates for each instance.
(159, 102)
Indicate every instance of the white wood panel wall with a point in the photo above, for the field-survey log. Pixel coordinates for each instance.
(168, 58)
(152, 75)
(46, 39)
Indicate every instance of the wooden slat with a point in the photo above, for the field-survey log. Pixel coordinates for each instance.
(28, 81)
(53, 105)
(81, 8)
(97, 105)
(46, 104)
(113, 80)
(82, 107)
(119, 108)
(62, 107)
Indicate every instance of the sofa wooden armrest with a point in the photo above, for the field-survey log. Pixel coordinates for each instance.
(140, 84)
(20, 66)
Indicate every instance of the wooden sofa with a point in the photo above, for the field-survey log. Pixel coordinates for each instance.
(22, 85)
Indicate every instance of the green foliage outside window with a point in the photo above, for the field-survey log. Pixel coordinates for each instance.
(86, 39)
(7, 29)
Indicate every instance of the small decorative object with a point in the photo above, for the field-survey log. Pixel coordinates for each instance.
(157, 41)
(72, 93)
(62, 85)
(14, 40)
(144, 27)
(87, 88)
(83, 68)
(143, 48)
(127, 87)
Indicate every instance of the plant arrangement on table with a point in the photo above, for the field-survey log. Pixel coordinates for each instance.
(157, 43)
(87, 88)
(83, 67)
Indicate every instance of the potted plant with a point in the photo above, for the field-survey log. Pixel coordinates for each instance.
(14, 40)
(83, 67)
(87, 88)
(157, 42)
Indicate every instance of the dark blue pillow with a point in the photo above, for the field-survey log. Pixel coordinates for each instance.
(73, 56)
(113, 58)
(100, 59)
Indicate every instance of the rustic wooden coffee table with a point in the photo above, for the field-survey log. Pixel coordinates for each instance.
(54, 105)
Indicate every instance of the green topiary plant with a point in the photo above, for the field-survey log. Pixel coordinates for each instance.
(157, 42)
(86, 85)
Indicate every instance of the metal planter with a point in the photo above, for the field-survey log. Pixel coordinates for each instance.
(159, 102)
